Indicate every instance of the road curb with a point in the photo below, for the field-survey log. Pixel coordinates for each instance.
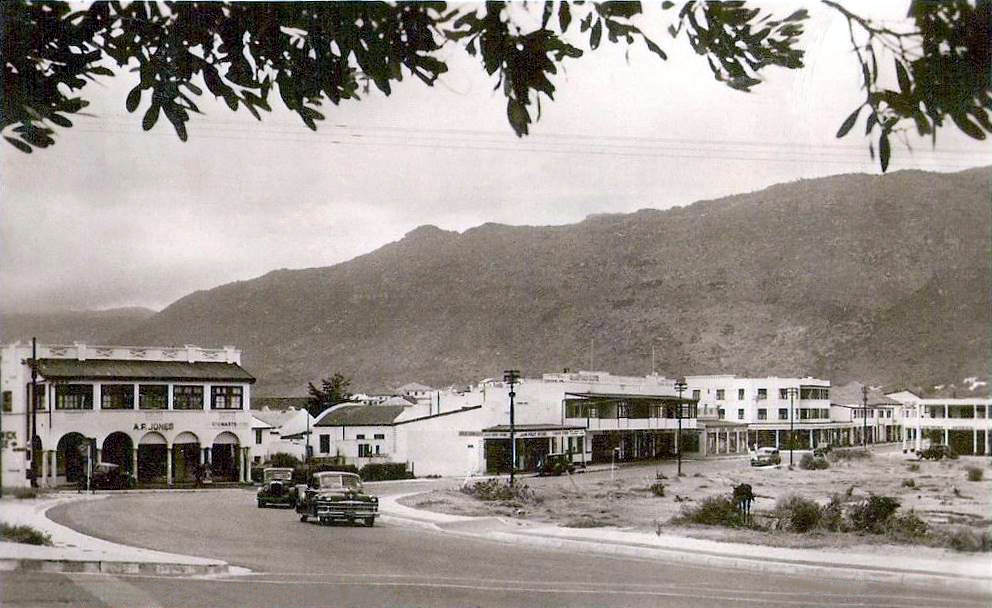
(916, 579)
(406, 521)
(110, 567)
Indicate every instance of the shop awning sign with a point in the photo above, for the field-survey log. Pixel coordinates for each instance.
(531, 434)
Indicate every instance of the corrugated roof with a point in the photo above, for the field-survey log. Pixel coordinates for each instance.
(361, 415)
(850, 394)
(128, 369)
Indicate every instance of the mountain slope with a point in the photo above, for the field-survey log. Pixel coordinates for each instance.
(818, 276)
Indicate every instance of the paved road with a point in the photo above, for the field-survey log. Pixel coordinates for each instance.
(297, 564)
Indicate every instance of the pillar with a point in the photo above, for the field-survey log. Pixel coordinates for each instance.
(974, 443)
(44, 469)
(811, 434)
(134, 461)
(168, 464)
(737, 441)
(202, 451)
(244, 465)
(99, 455)
(776, 439)
(947, 434)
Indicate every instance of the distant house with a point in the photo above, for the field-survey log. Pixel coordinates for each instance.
(279, 431)
(420, 392)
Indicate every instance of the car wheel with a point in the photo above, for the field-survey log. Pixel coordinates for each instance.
(303, 517)
(261, 504)
(370, 521)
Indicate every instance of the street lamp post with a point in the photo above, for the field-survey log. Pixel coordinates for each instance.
(512, 377)
(680, 387)
(864, 414)
(793, 393)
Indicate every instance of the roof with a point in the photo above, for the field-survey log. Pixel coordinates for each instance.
(279, 403)
(128, 369)
(850, 394)
(628, 396)
(413, 386)
(505, 428)
(274, 418)
(401, 400)
(361, 415)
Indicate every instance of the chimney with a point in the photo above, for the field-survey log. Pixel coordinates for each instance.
(80, 351)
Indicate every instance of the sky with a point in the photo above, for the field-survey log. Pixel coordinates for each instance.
(113, 216)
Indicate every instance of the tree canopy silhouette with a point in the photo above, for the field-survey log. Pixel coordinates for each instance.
(309, 53)
(332, 391)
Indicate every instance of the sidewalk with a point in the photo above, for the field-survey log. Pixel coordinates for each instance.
(76, 552)
(961, 572)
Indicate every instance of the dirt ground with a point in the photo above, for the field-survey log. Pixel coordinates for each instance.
(941, 494)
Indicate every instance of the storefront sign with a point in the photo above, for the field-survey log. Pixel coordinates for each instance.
(153, 426)
(535, 434)
(469, 433)
(226, 424)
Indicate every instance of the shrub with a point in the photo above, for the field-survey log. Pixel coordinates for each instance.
(908, 483)
(975, 473)
(832, 515)
(496, 490)
(849, 454)
(872, 513)
(810, 463)
(798, 514)
(913, 467)
(963, 538)
(714, 511)
(281, 459)
(658, 488)
(906, 527)
(257, 474)
(24, 534)
(382, 471)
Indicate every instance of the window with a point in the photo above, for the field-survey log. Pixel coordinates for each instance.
(721, 413)
(8, 401)
(40, 397)
(695, 393)
(225, 397)
(740, 394)
(360, 436)
(364, 450)
(825, 413)
(783, 413)
(74, 396)
(153, 397)
(258, 436)
(762, 394)
(377, 449)
(719, 394)
(740, 414)
(762, 413)
(325, 444)
(187, 397)
(803, 413)
(379, 436)
(117, 397)
(783, 393)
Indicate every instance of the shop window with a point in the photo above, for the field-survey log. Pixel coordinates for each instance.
(153, 397)
(225, 397)
(762, 394)
(762, 413)
(719, 394)
(740, 394)
(740, 414)
(117, 397)
(364, 450)
(783, 413)
(74, 397)
(187, 397)
(325, 444)
(8, 401)
(379, 436)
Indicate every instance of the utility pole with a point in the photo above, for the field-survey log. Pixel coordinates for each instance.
(793, 391)
(680, 386)
(864, 413)
(34, 408)
(512, 377)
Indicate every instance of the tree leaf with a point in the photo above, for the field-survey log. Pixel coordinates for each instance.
(904, 84)
(133, 99)
(564, 15)
(967, 127)
(667, 4)
(60, 120)
(20, 145)
(654, 48)
(596, 34)
(848, 123)
(884, 151)
(151, 117)
(548, 9)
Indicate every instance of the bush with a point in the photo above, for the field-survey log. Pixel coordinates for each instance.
(383, 471)
(963, 538)
(23, 534)
(810, 463)
(975, 473)
(281, 459)
(906, 527)
(909, 483)
(913, 467)
(849, 454)
(714, 511)
(832, 515)
(657, 488)
(798, 514)
(496, 490)
(872, 513)
(257, 474)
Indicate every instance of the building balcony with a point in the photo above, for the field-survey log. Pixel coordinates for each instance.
(631, 424)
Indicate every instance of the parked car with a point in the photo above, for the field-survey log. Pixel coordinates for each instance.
(108, 476)
(276, 486)
(337, 495)
(765, 457)
(555, 464)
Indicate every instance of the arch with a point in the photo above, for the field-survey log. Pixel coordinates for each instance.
(118, 448)
(153, 450)
(186, 437)
(70, 461)
(185, 457)
(225, 457)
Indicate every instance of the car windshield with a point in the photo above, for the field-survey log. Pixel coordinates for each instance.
(278, 474)
(767, 451)
(333, 482)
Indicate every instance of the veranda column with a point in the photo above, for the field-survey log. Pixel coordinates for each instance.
(974, 443)
(44, 469)
(168, 464)
(244, 465)
(55, 467)
(776, 439)
(947, 436)
(134, 462)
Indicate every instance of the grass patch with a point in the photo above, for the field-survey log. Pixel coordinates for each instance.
(849, 454)
(24, 534)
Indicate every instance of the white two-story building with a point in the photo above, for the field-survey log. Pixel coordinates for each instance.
(158, 412)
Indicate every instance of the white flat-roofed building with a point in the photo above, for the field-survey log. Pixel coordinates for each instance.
(964, 423)
(160, 413)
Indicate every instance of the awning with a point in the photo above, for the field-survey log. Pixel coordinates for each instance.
(533, 431)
